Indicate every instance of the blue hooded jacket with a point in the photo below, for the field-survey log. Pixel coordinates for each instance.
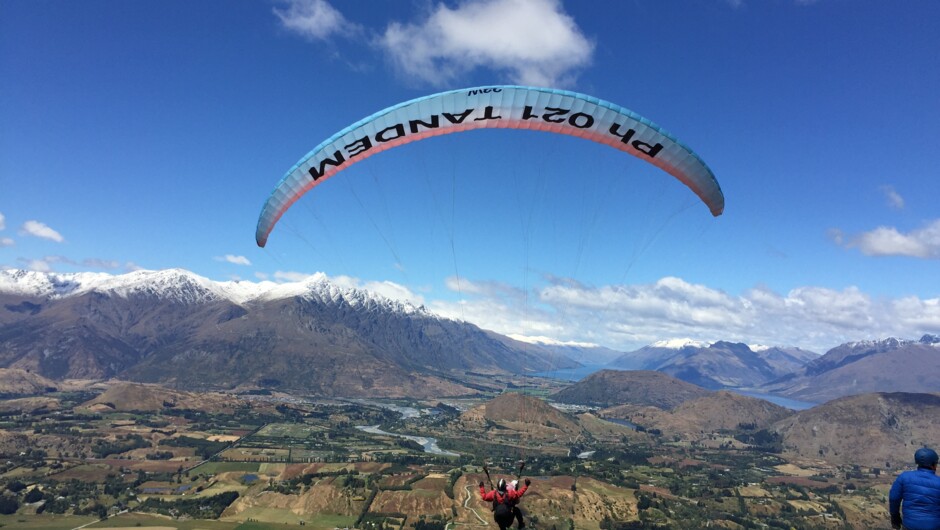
(919, 492)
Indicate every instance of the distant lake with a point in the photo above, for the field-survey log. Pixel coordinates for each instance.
(577, 374)
(777, 400)
(573, 374)
(618, 421)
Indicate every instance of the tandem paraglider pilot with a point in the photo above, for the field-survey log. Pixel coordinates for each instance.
(505, 500)
(914, 501)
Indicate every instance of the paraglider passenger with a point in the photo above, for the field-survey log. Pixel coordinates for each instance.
(504, 503)
(917, 494)
(513, 486)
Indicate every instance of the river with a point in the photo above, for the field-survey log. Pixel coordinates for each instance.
(427, 443)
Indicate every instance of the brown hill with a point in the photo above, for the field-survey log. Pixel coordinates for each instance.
(878, 430)
(718, 411)
(28, 405)
(726, 410)
(16, 382)
(517, 419)
(126, 396)
(609, 388)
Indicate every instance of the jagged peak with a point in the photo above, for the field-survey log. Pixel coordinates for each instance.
(890, 342)
(932, 340)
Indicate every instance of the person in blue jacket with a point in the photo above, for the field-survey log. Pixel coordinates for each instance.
(917, 493)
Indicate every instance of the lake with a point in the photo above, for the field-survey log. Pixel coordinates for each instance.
(574, 374)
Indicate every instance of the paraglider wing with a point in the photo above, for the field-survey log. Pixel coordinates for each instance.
(506, 107)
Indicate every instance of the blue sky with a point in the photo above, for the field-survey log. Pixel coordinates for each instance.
(148, 135)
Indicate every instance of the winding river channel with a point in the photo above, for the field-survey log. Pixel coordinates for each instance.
(429, 444)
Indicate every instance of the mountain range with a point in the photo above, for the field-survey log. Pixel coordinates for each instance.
(317, 336)
(889, 365)
(179, 329)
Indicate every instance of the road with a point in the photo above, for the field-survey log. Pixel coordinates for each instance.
(466, 504)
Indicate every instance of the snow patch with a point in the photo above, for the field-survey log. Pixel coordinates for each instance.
(677, 344)
(889, 342)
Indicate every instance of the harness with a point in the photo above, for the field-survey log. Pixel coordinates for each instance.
(502, 506)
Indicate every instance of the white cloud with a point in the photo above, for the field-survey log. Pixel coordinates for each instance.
(387, 289)
(38, 229)
(395, 291)
(290, 276)
(45, 264)
(314, 19)
(6, 242)
(893, 197)
(38, 265)
(532, 42)
(466, 286)
(97, 263)
(888, 241)
(3, 222)
(236, 260)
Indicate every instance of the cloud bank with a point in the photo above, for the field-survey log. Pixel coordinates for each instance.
(530, 42)
(628, 317)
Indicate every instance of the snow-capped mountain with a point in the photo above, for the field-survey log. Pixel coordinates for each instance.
(888, 365)
(173, 326)
(181, 286)
(657, 353)
(715, 365)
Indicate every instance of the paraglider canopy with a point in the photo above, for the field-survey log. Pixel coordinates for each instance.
(501, 107)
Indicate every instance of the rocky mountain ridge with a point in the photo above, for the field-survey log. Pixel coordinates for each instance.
(889, 365)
